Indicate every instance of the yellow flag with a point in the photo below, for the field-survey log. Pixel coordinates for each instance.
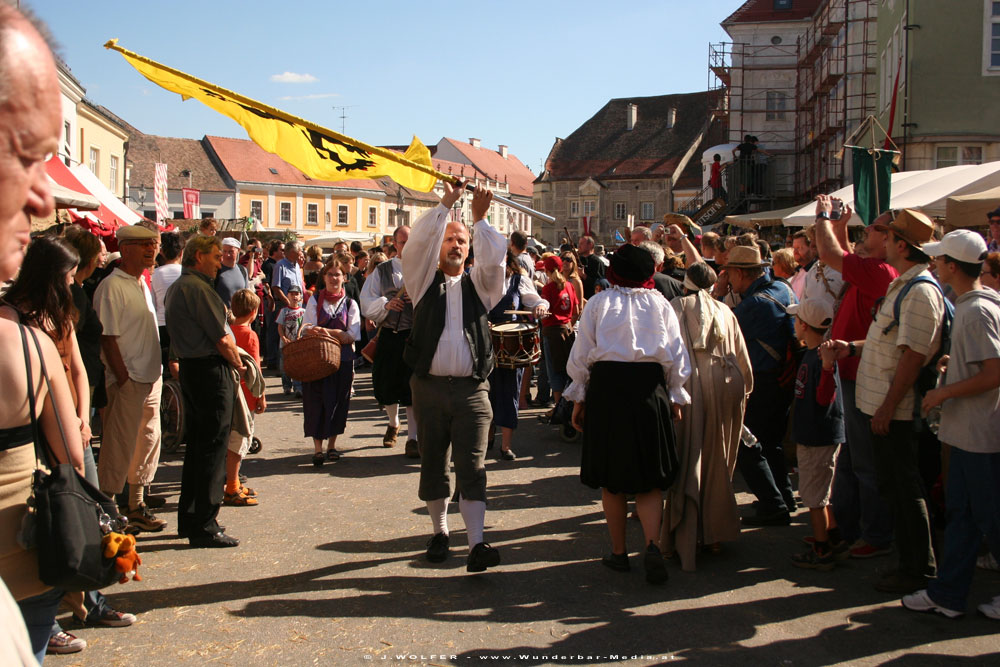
(318, 152)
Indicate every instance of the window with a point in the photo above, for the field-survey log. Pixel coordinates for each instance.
(776, 101)
(256, 209)
(113, 172)
(372, 216)
(285, 215)
(312, 214)
(342, 216)
(94, 160)
(949, 156)
(619, 210)
(207, 215)
(647, 210)
(991, 39)
(781, 5)
(589, 207)
(574, 209)
(178, 215)
(150, 214)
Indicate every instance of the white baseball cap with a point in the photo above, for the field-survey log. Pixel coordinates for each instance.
(230, 241)
(817, 313)
(963, 245)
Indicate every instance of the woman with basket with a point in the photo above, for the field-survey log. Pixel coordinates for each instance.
(331, 318)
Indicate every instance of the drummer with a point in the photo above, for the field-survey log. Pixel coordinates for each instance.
(505, 383)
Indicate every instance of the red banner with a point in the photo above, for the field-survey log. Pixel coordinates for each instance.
(192, 203)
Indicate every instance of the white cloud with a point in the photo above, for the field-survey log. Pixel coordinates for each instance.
(314, 96)
(292, 77)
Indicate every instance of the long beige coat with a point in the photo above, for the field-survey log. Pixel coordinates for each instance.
(701, 504)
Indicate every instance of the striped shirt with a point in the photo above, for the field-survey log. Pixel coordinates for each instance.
(920, 317)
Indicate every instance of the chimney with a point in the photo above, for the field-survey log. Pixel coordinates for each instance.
(474, 142)
(632, 115)
(671, 117)
(503, 151)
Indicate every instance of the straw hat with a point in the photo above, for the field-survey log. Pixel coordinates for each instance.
(681, 221)
(913, 227)
(744, 257)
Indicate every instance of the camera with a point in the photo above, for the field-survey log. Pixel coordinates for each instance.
(837, 209)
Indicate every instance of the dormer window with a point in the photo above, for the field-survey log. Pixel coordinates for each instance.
(782, 5)
(273, 170)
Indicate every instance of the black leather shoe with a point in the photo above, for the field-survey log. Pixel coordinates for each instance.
(481, 557)
(437, 548)
(218, 540)
(779, 518)
(656, 569)
(617, 562)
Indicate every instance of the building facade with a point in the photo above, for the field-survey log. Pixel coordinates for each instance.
(625, 166)
(948, 58)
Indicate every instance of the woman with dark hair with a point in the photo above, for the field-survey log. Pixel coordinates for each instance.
(628, 369)
(557, 328)
(505, 383)
(332, 314)
(21, 373)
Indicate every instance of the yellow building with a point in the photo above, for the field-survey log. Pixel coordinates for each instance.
(101, 144)
(281, 197)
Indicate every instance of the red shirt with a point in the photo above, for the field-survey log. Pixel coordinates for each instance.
(247, 339)
(715, 180)
(562, 303)
(869, 278)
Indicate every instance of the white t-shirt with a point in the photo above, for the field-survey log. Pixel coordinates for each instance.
(163, 278)
(125, 308)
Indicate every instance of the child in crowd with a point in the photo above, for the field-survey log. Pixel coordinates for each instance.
(289, 321)
(818, 429)
(244, 308)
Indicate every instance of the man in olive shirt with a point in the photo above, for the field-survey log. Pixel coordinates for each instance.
(206, 350)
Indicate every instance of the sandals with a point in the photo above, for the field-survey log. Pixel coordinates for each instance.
(238, 500)
(332, 455)
(247, 491)
(318, 459)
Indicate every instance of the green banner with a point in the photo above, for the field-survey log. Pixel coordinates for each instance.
(872, 181)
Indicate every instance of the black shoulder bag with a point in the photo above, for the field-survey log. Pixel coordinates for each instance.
(71, 515)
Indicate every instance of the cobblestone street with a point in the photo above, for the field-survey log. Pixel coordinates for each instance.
(330, 571)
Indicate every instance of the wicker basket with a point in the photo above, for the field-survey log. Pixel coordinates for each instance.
(311, 358)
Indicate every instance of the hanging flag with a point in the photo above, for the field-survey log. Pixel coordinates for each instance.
(586, 225)
(192, 203)
(872, 179)
(160, 193)
(318, 152)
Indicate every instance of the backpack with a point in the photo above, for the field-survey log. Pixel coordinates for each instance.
(928, 377)
(791, 358)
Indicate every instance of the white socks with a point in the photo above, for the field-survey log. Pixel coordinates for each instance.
(474, 515)
(393, 412)
(438, 510)
(411, 423)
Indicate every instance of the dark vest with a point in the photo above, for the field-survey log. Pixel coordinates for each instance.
(428, 324)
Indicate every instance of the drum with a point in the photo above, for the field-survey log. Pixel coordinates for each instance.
(515, 344)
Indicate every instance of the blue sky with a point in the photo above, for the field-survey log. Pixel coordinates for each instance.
(515, 73)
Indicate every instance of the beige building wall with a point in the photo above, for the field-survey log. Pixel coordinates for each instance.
(101, 146)
(246, 199)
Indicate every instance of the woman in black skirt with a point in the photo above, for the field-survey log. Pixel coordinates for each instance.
(628, 369)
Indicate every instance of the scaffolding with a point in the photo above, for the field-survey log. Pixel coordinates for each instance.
(800, 99)
(835, 90)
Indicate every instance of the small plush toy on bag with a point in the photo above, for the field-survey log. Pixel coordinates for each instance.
(122, 549)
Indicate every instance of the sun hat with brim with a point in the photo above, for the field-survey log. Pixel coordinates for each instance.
(681, 221)
(744, 257)
(913, 227)
(817, 313)
(963, 245)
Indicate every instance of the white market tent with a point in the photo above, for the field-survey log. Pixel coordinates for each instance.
(86, 177)
(970, 210)
(927, 190)
(762, 218)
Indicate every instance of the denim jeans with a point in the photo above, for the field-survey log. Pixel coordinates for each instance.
(94, 601)
(973, 506)
(287, 383)
(39, 613)
(558, 379)
(857, 506)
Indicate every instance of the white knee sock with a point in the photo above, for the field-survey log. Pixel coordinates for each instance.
(393, 412)
(474, 515)
(411, 423)
(438, 509)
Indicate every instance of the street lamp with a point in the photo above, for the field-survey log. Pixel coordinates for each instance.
(140, 195)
